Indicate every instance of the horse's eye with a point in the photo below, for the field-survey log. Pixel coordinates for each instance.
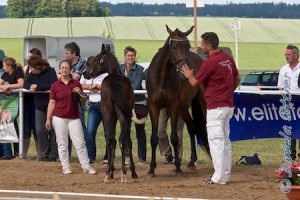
(101, 61)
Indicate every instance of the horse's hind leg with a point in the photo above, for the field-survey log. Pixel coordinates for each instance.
(111, 146)
(190, 127)
(129, 146)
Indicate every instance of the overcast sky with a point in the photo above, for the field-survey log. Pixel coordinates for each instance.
(3, 2)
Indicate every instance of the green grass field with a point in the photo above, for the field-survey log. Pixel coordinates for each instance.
(252, 56)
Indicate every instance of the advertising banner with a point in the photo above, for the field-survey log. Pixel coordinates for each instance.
(8, 112)
(265, 116)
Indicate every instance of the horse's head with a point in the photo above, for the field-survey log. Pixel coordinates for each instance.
(100, 64)
(179, 46)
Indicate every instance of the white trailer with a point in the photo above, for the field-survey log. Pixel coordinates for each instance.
(52, 48)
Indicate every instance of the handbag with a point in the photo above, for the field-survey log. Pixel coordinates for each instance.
(139, 113)
(249, 160)
(79, 96)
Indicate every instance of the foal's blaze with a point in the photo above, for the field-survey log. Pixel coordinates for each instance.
(117, 99)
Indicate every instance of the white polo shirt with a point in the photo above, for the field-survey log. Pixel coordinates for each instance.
(288, 78)
(94, 97)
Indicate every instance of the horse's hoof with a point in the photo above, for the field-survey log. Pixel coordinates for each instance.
(134, 176)
(123, 179)
(151, 175)
(106, 179)
(191, 165)
(178, 172)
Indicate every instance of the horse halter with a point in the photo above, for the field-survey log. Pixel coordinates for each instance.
(99, 65)
(176, 62)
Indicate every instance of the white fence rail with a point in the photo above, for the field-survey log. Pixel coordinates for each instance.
(39, 195)
(21, 112)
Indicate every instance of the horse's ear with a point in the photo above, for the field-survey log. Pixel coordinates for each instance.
(189, 31)
(107, 47)
(103, 47)
(169, 30)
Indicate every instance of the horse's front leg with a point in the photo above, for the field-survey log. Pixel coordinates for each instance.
(175, 140)
(154, 115)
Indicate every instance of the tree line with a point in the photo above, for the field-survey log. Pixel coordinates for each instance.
(92, 8)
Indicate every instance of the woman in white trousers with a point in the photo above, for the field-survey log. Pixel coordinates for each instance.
(64, 114)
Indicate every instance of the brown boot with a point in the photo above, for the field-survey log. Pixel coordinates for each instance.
(38, 150)
(26, 144)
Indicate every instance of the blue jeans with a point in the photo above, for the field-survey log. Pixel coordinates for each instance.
(1, 150)
(29, 118)
(94, 119)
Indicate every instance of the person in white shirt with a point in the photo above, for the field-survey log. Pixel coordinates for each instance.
(94, 112)
(288, 80)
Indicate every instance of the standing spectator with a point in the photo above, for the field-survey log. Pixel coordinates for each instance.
(40, 78)
(1, 72)
(163, 139)
(29, 113)
(220, 77)
(63, 112)
(1, 68)
(12, 78)
(72, 52)
(136, 75)
(288, 80)
(94, 113)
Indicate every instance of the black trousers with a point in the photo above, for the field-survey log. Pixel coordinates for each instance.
(293, 149)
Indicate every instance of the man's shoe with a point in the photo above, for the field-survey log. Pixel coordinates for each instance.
(92, 161)
(49, 159)
(7, 157)
(105, 161)
(89, 170)
(169, 159)
(67, 170)
(141, 162)
(208, 182)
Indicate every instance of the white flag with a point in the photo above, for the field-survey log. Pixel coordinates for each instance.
(190, 3)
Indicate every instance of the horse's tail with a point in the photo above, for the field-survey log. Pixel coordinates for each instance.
(199, 122)
(122, 97)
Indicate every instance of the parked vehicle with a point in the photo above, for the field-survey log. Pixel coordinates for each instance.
(52, 48)
(259, 81)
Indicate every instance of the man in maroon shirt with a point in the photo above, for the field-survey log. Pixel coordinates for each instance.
(219, 77)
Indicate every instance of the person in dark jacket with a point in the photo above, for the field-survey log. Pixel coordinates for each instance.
(136, 75)
(41, 78)
(29, 113)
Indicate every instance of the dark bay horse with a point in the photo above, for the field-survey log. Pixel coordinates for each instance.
(117, 99)
(167, 87)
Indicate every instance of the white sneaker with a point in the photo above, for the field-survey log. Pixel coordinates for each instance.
(105, 161)
(67, 170)
(89, 170)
